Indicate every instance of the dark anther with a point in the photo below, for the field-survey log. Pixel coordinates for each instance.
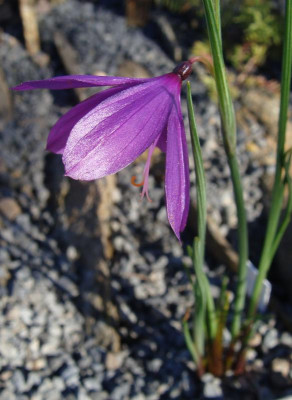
(184, 69)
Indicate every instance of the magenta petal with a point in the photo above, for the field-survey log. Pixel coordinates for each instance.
(77, 81)
(187, 179)
(177, 185)
(162, 141)
(61, 130)
(117, 131)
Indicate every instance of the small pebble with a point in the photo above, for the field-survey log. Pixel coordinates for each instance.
(212, 389)
(9, 208)
(256, 340)
(113, 361)
(270, 340)
(286, 339)
(282, 366)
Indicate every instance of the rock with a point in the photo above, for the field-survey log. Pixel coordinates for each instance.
(121, 391)
(33, 379)
(133, 69)
(139, 397)
(69, 286)
(270, 340)
(127, 313)
(72, 253)
(258, 364)
(251, 355)
(92, 385)
(70, 375)
(6, 375)
(18, 381)
(255, 340)
(9, 208)
(114, 361)
(4, 275)
(286, 339)
(282, 365)
(263, 329)
(8, 394)
(265, 106)
(36, 365)
(282, 369)
(212, 387)
(58, 383)
(155, 365)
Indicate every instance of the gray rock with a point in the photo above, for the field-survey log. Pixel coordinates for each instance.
(286, 339)
(71, 375)
(92, 385)
(33, 379)
(18, 381)
(121, 392)
(271, 339)
(154, 365)
(213, 390)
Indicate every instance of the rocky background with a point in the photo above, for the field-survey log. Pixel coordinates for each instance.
(92, 283)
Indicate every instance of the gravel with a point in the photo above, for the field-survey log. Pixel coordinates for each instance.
(54, 342)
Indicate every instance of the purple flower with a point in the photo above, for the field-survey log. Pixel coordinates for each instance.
(109, 130)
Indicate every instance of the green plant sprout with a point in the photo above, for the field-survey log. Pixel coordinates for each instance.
(205, 340)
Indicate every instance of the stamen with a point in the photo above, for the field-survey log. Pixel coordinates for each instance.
(134, 183)
(145, 173)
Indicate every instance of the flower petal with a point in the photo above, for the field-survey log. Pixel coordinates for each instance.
(60, 132)
(177, 184)
(78, 81)
(117, 131)
(187, 180)
(162, 141)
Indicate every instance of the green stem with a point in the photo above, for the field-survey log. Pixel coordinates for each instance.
(189, 343)
(218, 17)
(200, 175)
(278, 188)
(229, 139)
(203, 291)
(224, 97)
(200, 301)
(287, 217)
(242, 246)
(280, 233)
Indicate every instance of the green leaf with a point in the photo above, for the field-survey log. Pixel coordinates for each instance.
(203, 290)
(200, 175)
(225, 101)
(288, 211)
(229, 138)
(273, 233)
(200, 301)
(188, 339)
